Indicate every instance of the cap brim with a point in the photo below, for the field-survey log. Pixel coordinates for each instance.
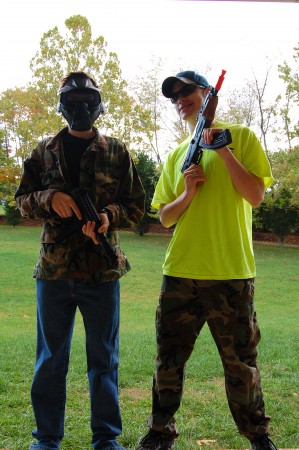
(169, 82)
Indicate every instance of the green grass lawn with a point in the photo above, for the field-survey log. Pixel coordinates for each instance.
(204, 413)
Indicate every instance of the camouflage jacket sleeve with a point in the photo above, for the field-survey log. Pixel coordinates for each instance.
(128, 207)
(32, 199)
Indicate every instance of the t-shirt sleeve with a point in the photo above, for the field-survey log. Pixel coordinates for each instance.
(164, 190)
(254, 158)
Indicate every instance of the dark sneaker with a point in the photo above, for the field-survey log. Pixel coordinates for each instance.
(46, 444)
(156, 440)
(262, 443)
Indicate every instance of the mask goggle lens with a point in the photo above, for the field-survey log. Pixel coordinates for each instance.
(73, 98)
(183, 92)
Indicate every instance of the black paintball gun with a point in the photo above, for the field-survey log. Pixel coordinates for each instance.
(204, 120)
(89, 213)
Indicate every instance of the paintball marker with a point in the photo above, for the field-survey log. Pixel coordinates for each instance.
(204, 120)
(88, 211)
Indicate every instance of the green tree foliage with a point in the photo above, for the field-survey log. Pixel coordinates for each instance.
(147, 120)
(248, 106)
(156, 123)
(289, 110)
(12, 214)
(285, 167)
(280, 210)
(76, 50)
(280, 216)
(9, 170)
(239, 106)
(266, 110)
(149, 176)
(20, 111)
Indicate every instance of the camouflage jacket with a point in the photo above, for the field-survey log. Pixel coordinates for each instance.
(109, 174)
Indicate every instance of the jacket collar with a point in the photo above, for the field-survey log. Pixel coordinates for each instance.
(99, 142)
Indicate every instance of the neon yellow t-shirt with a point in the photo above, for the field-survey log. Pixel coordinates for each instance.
(213, 238)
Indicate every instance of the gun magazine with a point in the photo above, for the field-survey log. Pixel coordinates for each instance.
(220, 140)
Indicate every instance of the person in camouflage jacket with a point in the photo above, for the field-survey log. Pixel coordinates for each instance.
(72, 270)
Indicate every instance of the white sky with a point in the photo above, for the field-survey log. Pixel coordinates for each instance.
(236, 36)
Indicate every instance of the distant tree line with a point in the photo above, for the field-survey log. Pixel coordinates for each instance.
(139, 115)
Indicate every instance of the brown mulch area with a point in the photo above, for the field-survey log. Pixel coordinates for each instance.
(159, 229)
(292, 239)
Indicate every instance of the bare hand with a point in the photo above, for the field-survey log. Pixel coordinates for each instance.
(208, 134)
(194, 177)
(89, 228)
(64, 205)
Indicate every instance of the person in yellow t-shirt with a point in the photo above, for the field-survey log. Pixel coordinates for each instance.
(209, 268)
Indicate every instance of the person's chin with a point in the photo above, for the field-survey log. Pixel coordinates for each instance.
(186, 112)
(185, 115)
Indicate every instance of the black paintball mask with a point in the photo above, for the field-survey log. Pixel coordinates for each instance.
(80, 103)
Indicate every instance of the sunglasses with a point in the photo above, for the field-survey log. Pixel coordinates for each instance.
(183, 92)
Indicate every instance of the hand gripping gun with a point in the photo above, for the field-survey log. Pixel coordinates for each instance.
(88, 211)
(204, 120)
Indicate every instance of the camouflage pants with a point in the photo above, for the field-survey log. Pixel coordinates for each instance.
(227, 307)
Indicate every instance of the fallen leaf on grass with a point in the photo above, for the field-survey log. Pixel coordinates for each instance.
(206, 441)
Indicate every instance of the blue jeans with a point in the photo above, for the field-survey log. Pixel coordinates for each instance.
(57, 302)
